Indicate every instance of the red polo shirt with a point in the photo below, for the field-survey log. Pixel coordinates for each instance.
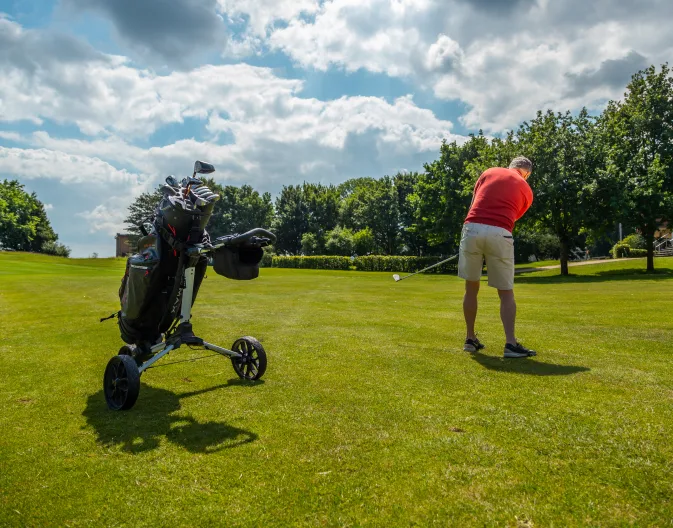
(501, 197)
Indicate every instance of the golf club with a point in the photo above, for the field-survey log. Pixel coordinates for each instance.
(398, 278)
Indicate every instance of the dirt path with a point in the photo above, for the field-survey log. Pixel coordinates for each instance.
(570, 264)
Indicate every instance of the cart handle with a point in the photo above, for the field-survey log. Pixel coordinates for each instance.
(247, 236)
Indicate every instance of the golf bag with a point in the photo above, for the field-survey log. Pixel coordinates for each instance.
(150, 293)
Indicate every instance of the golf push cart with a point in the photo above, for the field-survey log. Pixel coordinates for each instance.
(162, 281)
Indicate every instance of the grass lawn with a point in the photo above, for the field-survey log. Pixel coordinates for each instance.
(370, 413)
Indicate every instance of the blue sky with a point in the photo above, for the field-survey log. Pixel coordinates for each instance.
(101, 100)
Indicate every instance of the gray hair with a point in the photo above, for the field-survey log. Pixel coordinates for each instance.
(521, 162)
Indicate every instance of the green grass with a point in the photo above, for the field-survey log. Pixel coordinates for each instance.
(370, 413)
(539, 264)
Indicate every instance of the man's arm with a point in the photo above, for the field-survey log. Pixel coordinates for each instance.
(480, 180)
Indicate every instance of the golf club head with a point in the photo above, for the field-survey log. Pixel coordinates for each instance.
(396, 277)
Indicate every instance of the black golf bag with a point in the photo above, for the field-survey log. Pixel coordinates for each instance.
(150, 289)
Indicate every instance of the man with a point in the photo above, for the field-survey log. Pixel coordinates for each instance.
(501, 197)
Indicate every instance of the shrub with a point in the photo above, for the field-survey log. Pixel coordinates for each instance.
(339, 241)
(363, 242)
(543, 246)
(267, 257)
(310, 244)
(313, 262)
(634, 241)
(620, 250)
(54, 248)
(403, 264)
(637, 253)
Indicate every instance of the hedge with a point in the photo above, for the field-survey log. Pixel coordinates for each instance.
(403, 264)
(313, 262)
(368, 263)
(624, 251)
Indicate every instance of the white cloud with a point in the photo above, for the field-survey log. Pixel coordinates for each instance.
(262, 13)
(10, 136)
(107, 218)
(279, 137)
(66, 168)
(502, 60)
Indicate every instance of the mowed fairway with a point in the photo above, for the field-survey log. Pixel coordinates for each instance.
(370, 413)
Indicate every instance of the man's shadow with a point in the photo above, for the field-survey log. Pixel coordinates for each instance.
(157, 415)
(525, 366)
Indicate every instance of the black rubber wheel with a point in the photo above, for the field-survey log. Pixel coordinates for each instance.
(252, 363)
(121, 383)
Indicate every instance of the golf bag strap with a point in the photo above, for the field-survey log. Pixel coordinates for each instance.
(170, 239)
(116, 314)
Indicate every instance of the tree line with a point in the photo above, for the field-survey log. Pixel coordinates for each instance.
(590, 172)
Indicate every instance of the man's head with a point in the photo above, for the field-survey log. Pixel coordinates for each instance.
(522, 165)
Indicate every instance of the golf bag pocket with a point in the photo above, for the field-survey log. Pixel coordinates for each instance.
(238, 262)
(140, 283)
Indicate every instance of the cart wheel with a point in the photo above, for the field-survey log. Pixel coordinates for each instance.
(121, 383)
(252, 363)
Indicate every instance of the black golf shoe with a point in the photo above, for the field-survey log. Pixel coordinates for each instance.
(518, 351)
(473, 345)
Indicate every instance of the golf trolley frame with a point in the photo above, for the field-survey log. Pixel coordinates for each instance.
(121, 381)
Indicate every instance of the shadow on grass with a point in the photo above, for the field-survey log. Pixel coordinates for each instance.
(525, 366)
(156, 415)
(629, 274)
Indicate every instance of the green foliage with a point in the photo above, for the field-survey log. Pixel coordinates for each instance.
(310, 245)
(541, 245)
(142, 210)
(566, 155)
(309, 208)
(56, 249)
(24, 225)
(373, 204)
(639, 141)
(239, 209)
(622, 250)
(339, 241)
(314, 262)
(402, 264)
(634, 241)
(267, 258)
(363, 242)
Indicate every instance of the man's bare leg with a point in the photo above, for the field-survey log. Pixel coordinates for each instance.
(508, 314)
(470, 307)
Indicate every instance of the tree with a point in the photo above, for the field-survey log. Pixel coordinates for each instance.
(310, 245)
(373, 204)
(638, 133)
(24, 225)
(363, 242)
(407, 204)
(142, 210)
(566, 156)
(291, 220)
(239, 209)
(339, 241)
(444, 192)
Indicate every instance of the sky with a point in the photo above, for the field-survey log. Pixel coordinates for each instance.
(100, 100)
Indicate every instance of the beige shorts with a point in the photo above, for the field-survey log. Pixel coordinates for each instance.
(481, 241)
